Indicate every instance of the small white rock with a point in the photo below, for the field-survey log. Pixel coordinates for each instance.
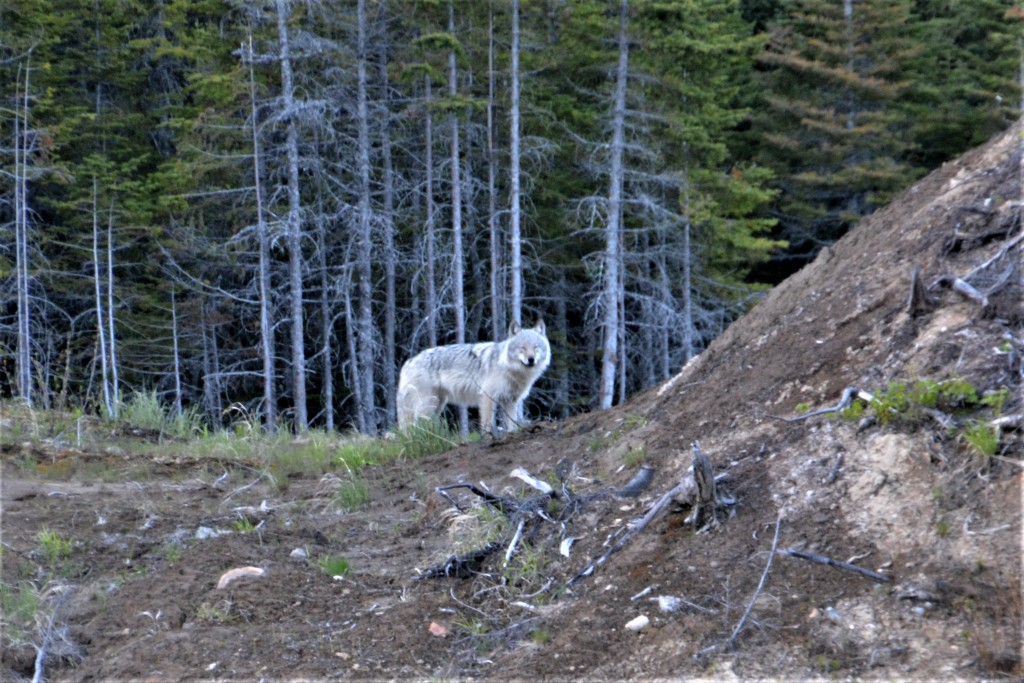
(298, 554)
(668, 603)
(205, 532)
(638, 624)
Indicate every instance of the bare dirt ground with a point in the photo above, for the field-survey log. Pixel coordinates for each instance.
(910, 499)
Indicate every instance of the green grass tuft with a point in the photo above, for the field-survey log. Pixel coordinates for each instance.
(334, 565)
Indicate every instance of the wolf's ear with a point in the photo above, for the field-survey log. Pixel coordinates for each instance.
(513, 328)
(540, 327)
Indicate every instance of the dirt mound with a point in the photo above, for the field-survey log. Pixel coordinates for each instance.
(900, 487)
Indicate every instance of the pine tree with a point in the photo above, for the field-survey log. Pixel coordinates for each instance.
(830, 125)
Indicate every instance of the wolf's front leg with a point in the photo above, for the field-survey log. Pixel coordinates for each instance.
(512, 415)
(486, 414)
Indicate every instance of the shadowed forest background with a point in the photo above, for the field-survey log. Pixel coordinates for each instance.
(264, 208)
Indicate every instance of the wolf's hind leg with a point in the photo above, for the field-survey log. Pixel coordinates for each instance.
(415, 403)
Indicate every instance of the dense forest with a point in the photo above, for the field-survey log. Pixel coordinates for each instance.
(263, 207)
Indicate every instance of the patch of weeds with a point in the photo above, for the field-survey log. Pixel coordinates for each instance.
(243, 525)
(635, 456)
(313, 452)
(540, 635)
(173, 552)
(477, 527)
(942, 527)
(855, 411)
(471, 625)
(996, 400)
(982, 437)
(61, 469)
(892, 404)
(186, 425)
(54, 549)
(353, 455)
(144, 411)
(801, 408)
(629, 423)
(276, 479)
(424, 437)
(244, 421)
(633, 421)
(352, 494)
(827, 664)
(525, 569)
(993, 628)
(99, 470)
(215, 614)
(20, 603)
(127, 575)
(333, 565)
(903, 402)
(907, 403)
(554, 507)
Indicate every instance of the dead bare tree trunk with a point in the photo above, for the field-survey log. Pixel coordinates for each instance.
(178, 411)
(430, 237)
(366, 347)
(515, 233)
(111, 335)
(108, 400)
(496, 292)
(294, 229)
(263, 276)
(389, 256)
(613, 254)
(21, 149)
(458, 257)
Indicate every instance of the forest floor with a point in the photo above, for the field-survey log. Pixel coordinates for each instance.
(909, 495)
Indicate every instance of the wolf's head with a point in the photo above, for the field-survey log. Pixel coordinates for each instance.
(529, 346)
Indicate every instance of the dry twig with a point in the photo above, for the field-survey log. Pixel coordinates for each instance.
(821, 559)
(760, 585)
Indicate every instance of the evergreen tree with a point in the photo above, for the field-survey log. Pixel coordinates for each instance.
(828, 120)
(962, 86)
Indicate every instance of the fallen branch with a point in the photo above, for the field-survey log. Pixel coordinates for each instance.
(519, 514)
(821, 559)
(634, 528)
(638, 484)
(461, 566)
(844, 402)
(503, 505)
(963, 287)
(760, 585)
(1010, 244)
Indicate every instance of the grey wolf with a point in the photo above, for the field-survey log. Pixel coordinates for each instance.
(483, 375)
